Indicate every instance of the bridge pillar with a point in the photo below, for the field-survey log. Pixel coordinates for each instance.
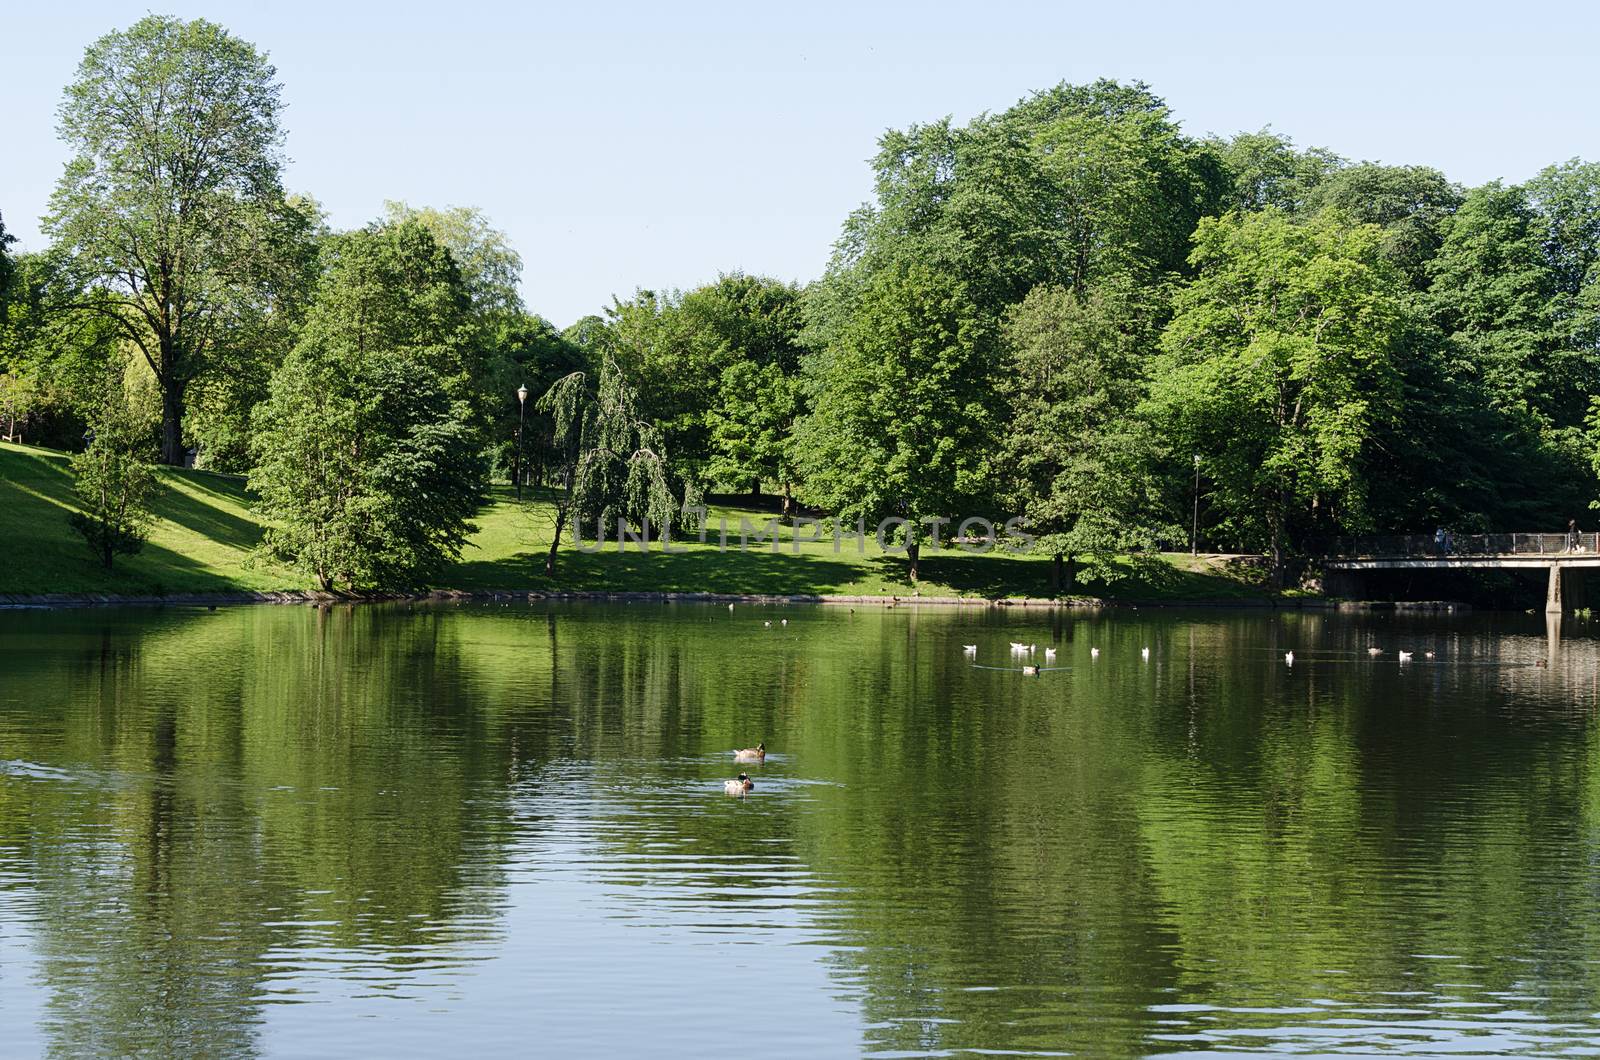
(1565, 591)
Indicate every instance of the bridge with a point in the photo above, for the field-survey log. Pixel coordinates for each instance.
(1566, 556)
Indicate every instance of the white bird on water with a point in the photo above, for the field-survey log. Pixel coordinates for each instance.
(784, 622)
(1405, 656)
(1374, 652)
(767, 624)
(1094, 653)
(1030, 671)
(730, 607)
(1427, 655)
(1049, 654)
(1145, 653)
(970, 649)
(1288, 656)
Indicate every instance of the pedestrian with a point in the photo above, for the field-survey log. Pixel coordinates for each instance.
(1572, 535)
(1438, 540)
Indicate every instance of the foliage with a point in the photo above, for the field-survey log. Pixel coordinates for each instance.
(902, 415)
(490, 267)
(1279, 365)
(114, 484)
(1411, 203)
(366, 449)
(171, 205)
(57, 360)
(613, 463)
(1264, 170)
(1079, 464)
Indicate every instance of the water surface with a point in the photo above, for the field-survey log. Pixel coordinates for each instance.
(490, 828)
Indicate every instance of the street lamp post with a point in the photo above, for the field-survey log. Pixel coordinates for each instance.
(1194, 527)
(522, 418)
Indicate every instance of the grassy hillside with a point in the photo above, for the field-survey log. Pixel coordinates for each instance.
(206, 534)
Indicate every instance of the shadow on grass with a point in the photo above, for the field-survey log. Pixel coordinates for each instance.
(698, 571)
(177, 505)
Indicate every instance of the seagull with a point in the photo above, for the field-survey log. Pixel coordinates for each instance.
(1405, 656)
(1288, 656)
(1094, 653)
(1374, 652)
(1018, 647)
(970, 649)
(1049, 654)
(1145, 653)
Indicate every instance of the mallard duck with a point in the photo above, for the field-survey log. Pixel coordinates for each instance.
(1030, 671)
(758, 753)
(738, 787)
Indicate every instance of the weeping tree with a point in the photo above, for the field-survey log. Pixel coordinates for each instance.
(613, 464)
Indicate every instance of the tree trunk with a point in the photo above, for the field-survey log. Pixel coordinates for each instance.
(914, 556)
(172, 424)
(555, 543)
(755, 488)
(1055, 573)
(788, 500)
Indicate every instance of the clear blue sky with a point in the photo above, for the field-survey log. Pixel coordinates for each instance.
(656, 144)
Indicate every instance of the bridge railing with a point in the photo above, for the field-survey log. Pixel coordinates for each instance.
(1425, 546)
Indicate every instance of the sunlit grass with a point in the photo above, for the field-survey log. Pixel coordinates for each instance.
(206, 535)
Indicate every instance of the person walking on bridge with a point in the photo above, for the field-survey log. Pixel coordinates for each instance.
(1572, 535)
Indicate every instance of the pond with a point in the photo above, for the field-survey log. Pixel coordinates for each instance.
(480, 828)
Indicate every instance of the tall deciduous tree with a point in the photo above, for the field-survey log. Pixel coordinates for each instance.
(1277, 367)
(1494, 295)
(172, 202)
(366, 450)
(1079, 465)
(902, 414)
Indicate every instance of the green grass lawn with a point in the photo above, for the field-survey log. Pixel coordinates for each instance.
(205, 540)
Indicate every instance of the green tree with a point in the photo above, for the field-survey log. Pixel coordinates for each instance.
(1277, 368)
(114, 483)
(1495, 296)
(612, 462)
(58, 361)
(1079, 465)
(1411, 203)
(490, 267)
(902, 406)
(1264, 169)
(7, 268)
(366, 449)
(172, 204)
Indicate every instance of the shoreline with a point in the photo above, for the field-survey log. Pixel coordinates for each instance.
(69, 601)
